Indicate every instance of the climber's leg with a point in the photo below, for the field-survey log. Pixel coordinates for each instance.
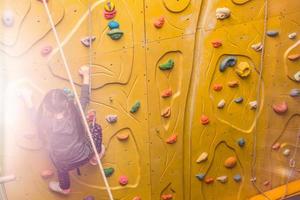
(63, 186)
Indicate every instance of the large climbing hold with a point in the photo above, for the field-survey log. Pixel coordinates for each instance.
(166, 113)
(280, 108)
(203, 157)
(109, 10)
(8, 18)
(172, 139)
(168, 65)
(272, 33)
(111, 118)
(167, 196)
(243, 69)
(159, 22)
(123, 180)
(135, 107)
(229, 61)
(109, 171)
(222, 13)
(294, 57)
(230, 162)
(87, 41)
(166, 93)
(295, 92)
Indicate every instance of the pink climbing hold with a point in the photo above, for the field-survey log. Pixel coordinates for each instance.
(204, 120)
(216, 43)
(48, 173)
(167, 196)
(276, 146)
(280, 108)
(137, 198)
(166, 93)
(159, 22)
(123, 180)
(109, 10)
(46, 50)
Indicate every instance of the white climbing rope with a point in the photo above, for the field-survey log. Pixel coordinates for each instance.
(76, 97)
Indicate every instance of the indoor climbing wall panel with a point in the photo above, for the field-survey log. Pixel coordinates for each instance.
(188, 109)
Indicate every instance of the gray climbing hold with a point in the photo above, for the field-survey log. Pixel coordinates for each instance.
(222, 179)
(221, 104)
(257, 47)
(237, 178)
(292, 35)
(8, 18)
(239, 100)
(113, 24)
(229, 61)
(295, 92)
(241, 142)
(87, 41)
(89, 198)
(272, 33)
(111, 118)
(200, 177)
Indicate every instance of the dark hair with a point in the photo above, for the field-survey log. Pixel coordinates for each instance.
(54, 102)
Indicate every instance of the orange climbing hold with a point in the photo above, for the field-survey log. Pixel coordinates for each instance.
(208, 180)
(172, 139)
(137, 198)
(123, 136)
(159, 22)
(294, 57)
(217, 87)
(216, 43)
(167, 196)
(230, 162)
(280, 108)
(166, 93)
(48, 173)
(204, 120)
(276, 146)
(233, 84)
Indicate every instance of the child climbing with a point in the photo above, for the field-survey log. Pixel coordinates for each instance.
(60, 127)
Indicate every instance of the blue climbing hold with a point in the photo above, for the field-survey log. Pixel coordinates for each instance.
(237, 178)
(241, 142)
(229, 61)
(272, 33)
(200, 177)
(113, 24)
(239, 100)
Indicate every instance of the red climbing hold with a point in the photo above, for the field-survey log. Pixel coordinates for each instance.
(217, 87)
(123, 180)
(172, 139)
(166, 93)
(159, 22)
(46, 50)
(48, 173)
(167, 196)
(276, 146)
(208, 180)
(280, 108)
(204, 120)
(216, 43)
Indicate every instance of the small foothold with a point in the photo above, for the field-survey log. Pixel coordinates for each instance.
(292, 35)
(123, 136)
(221, 104)
(48, 173)
(166, 113)
(200, 177)
(109, 171)
(166, 93)
(111, 99)
(167, 196)
(237, 178)
(253, 105)
(294, 57)
(113, 25)
(222, 179)
(257, 47)
(172, 139)
(8, 18)
(241, 142)
(286, 152)
(46, 50)
(135, 107)
(295, 92)
(109, 10)
(276, 146)
(243, 69)
(239, 100)
(159, 22)
(233, 84)
(89, 198)
(272, 33)
(111, 118)
(168, 65)
(253, 179)
(297, 76)
(280, 108)
(266, 183)
(204, 120)
(115, 34)
(87, 41)
(217, 87)
(137, 198)
(216, 43)
(222, 13)
(208, 180)
(123, 180)
(203, 157)
(229, 61)
(230, 162)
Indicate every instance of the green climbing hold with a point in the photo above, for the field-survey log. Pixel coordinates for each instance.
(109, 171)
(135, 107)
(168, 65)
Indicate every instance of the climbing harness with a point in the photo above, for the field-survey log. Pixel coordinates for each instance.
(76, 95)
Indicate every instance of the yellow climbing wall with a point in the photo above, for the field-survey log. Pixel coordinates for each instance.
(169, 131)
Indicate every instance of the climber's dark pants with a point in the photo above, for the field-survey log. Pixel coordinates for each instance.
(63, 174)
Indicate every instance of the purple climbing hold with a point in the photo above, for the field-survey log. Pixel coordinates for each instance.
(87, 41)
(89, 198)
(295, 92)
(111, 118)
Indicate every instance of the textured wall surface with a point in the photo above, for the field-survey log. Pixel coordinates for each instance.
(181, 116)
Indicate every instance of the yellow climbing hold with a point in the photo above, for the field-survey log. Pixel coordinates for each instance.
(243, 69)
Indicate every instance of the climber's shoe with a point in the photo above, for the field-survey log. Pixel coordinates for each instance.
(54, 186)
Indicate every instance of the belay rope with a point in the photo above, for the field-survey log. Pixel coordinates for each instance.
(75, 92)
